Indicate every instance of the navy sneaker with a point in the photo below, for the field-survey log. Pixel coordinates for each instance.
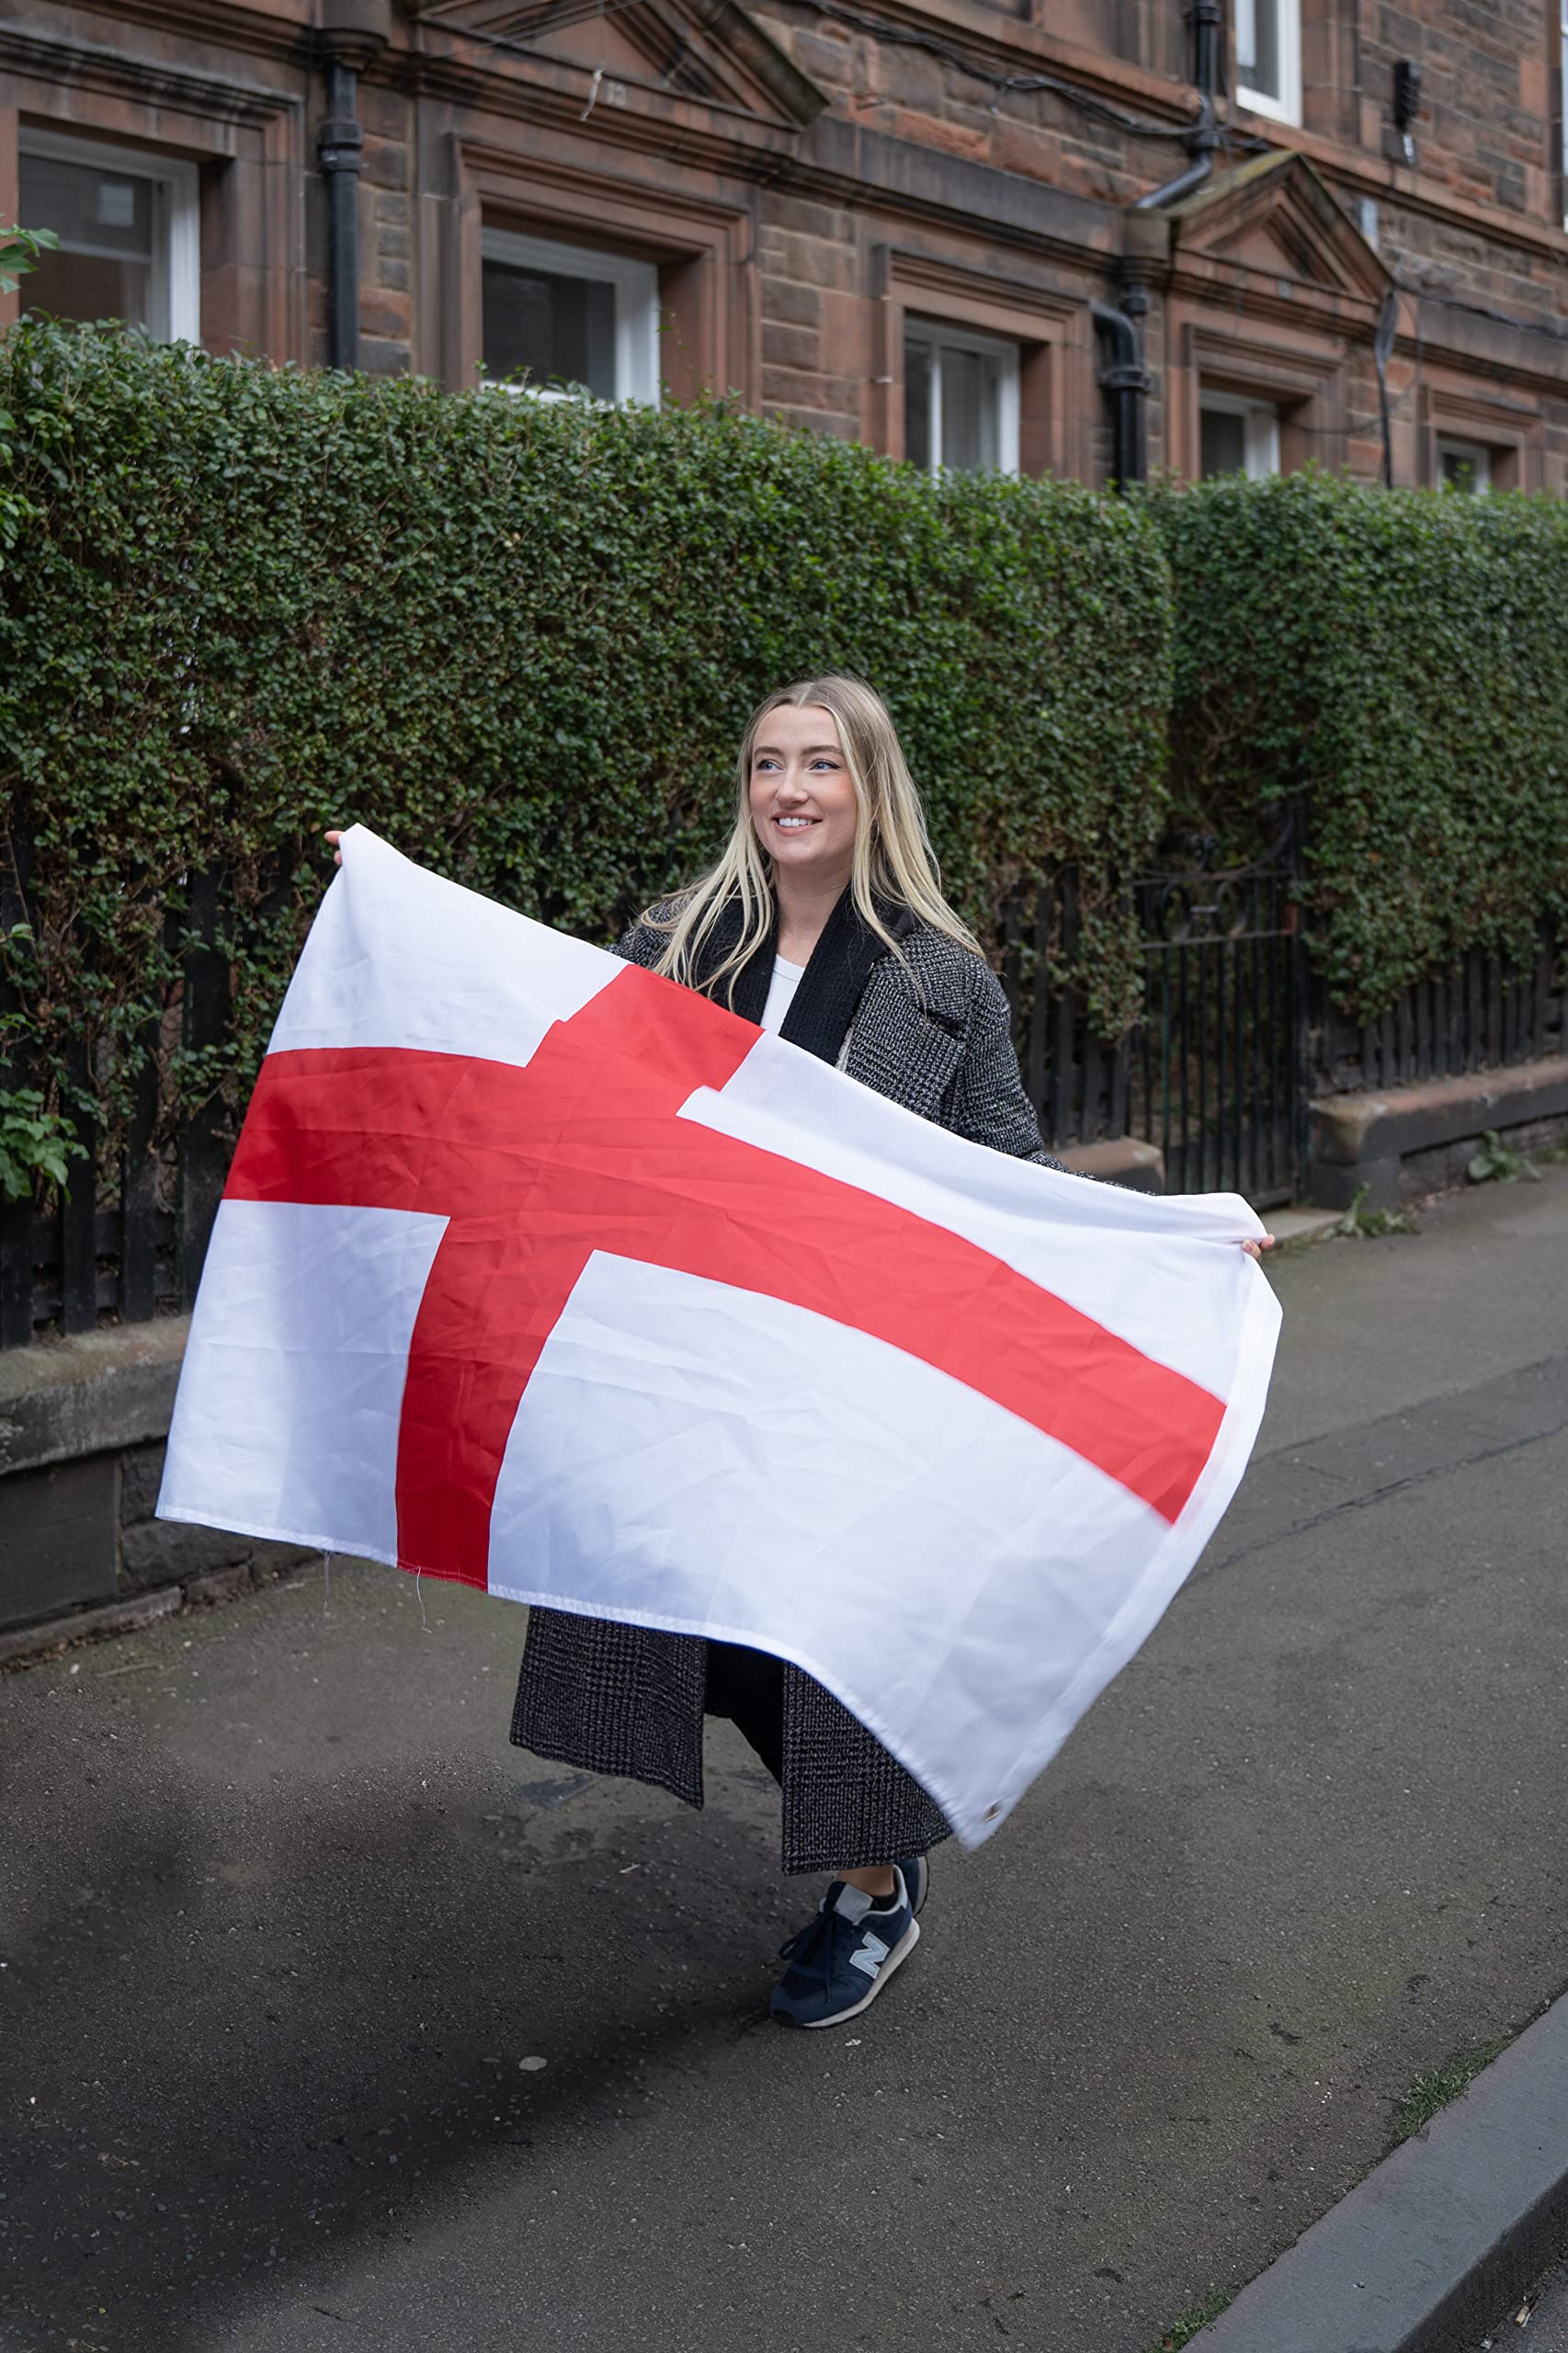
(841, 1960)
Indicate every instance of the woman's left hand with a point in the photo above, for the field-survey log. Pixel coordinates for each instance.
(1256, 1249)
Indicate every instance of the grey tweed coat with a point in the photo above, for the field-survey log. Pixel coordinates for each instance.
(932, 1033)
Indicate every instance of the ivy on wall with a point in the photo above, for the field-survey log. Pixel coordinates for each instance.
(1398, 662)
(520, 640)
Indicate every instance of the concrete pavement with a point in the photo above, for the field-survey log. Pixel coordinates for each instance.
(288, 1929)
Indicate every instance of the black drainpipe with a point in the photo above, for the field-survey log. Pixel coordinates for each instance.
(1207, 20)
(1202, 144)
(1127, 382)
(338, 143)
(353, 34)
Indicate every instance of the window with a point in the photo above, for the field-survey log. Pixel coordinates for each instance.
(1269, 57)
(1464, 466)
(1237, 437)
(961, 401)
(577, 321)
(128, 242)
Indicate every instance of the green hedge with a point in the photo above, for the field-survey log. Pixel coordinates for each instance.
(520, 640)
(1398, 661)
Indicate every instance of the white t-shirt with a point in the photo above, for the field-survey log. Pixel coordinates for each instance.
(781, 991)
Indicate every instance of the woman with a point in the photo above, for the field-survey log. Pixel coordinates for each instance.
(823, 920)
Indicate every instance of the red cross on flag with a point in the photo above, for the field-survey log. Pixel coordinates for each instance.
(536, 1272)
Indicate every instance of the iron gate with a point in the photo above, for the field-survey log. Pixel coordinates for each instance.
(1214, 1070)
(1217, 1076)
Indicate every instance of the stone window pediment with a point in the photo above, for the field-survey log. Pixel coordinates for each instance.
(681, 49)
(1275, 299)
(1275, 218)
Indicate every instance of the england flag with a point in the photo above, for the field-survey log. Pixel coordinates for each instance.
(537, 1272)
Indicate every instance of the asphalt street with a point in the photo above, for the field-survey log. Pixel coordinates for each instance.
(328, 2020)
(1536, 2321)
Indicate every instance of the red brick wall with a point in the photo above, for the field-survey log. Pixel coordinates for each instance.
(809, 264)
(1485, 128)
(786, 237)
(1485, 152)
(911, 93)
(385, 247)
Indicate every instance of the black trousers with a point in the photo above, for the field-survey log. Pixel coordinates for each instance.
(748, 1686)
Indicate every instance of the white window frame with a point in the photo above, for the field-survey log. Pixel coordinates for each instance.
(1261, 443)
(636, 285)
(1287, 106)
(941, 336)
(1476, 455)
(174, 301)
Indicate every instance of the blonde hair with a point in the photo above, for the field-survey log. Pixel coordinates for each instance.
(894, 864)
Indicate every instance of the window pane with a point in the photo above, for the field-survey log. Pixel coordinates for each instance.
(103, 221)
(91, 209)
(1222, 442)
(1463, 470)
(970, 402)
(917, 404)
(80, 286)
(561, 329)
(1258, 47)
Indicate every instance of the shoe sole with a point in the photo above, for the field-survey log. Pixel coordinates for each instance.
(900, 1952)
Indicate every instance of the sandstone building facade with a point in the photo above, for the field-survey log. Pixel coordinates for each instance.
(1075, 235)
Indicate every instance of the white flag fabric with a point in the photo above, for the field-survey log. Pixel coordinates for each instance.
(537, 1272)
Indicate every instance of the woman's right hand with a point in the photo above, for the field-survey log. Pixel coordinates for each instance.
(334, 837)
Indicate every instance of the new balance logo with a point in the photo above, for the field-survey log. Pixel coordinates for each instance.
(871, 1955)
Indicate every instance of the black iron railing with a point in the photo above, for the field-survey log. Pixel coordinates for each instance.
(1236, 1036)
(1212, 1070)
(1217, 1056)
(124, 1240)
(1234, 1039)
(1485, 1016)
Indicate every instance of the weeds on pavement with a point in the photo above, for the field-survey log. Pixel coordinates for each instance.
(1433, 2091)
(1182, 2331)
(1498, 1163)
(1369, 1225)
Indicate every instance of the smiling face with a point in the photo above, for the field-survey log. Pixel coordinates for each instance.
(802, 796)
